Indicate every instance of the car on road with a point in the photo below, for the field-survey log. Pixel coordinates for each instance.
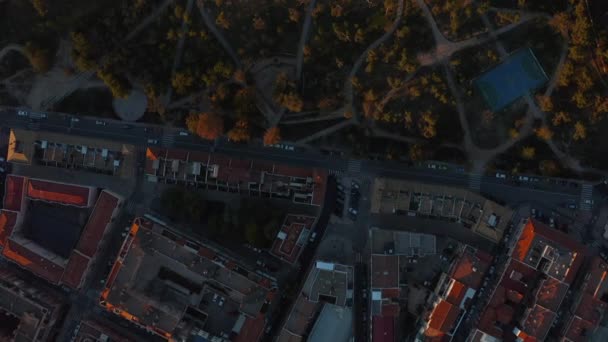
(75, 119)
(22, 113)
(101, 123)
(127, 126)
(443, 167)
(432, 166)
(523, 178)
(312, 237)
(501, 175)
(152, 141)
(183, 134)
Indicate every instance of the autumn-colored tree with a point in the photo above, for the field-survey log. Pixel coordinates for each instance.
(240, 132)
(317, 10)
(560, 118)
(38, 57)
(181, 82)
(416, 152)
(294, 15)
(208, 125)
(41, 7)
(119, 86)
(548, 168)
(359, 36)
(258, 23)
(580, 131)
(565, 75)
(272, 136)
(222, 21)
(560, 22)
(291, 101)
(427, 125)
(544, 133)
(528, 152)
(545, 103)
(240, 76)
(336, 10)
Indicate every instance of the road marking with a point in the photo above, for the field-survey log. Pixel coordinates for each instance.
(586, 195)
(475, 181)
(354, 166)
(168, 140)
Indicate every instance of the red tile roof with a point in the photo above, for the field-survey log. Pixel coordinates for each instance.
(57, 192)
(8, 219)
(390, 293)
(288, 248)
(385, 271)
(252, 330)
(37, 264)
(383, 329)
(444, 316)
(457, 292)
(97, 224)
(551, 293)
(75, 269)
(390, 310)
(579, 330)
(539, 322)
(471, 267)
(13, 194)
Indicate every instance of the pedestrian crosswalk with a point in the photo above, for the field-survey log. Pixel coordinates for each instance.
(475, 181)
(354, 166)
(168, 140)
(35, 115)
(586, 197)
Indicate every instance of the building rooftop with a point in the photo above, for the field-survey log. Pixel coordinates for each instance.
(91, 330)
(383, 329)
(67, 151)
(590, 304)
(385, 271)
(13, 192)
(531, 289)
(28, 311)
(402, 243)
(470, 267)
(221, 172)
(292, 237)
(480, 215)
(326, 283)
(174, 277)
(41, 237)
(335, 323)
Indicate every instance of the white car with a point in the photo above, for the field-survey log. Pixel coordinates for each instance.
(501, 175)
(152, 141)
(183, 134)
(75, 120)
(21, 113)
(101, 123)
(432, 166)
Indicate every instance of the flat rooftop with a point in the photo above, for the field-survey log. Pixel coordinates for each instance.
(292, 237)
(74, 152)
(385, 271)
(159, 275)
(390, 242)
(254, 177)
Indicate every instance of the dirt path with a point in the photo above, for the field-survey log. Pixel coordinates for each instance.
(304, 38)
(218, 35)
(178, 52)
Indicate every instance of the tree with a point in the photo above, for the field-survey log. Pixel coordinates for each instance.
(209, 126)
(222, 21)
(580, 131)
(258, 23)
(119, 86)
(240, 132)
(548, 168)
(544, 133)
(294, 15)
(182, 81)
(528, 152)
(41, 7)
(416, 152)
(560, 117)
(336, 10)
(561, 23)
(545, 103)
(566, 73)
(38, 57)
(427, 125)
(272, 136)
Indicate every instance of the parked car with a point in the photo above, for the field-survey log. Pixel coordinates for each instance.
(152, 141)
(183, 133)
(73, 119)
(101, 123)
(21, 113)
(501, 175)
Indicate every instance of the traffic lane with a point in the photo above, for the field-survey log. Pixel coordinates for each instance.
(417, 224)
(453, 179)
(517, 194)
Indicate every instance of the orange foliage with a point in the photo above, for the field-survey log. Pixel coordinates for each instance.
(272, 136)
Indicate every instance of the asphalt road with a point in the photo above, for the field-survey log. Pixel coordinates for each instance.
(140, 134)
